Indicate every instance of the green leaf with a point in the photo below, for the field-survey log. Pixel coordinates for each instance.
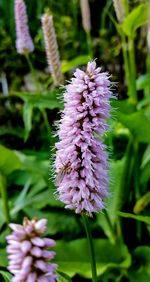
(78, 61)
(27, 118)
(9, 160)
(145, 219)
(6, 275)
(140, 271)
(49, 100)
(138, 124)
(143, 81)
(3, 258)
(138, 17)
(145, 174)
(146, 157)
(142, 203)
(123, 106)
(2, 218)
(73, 257)
(115, 199)
(63, 277)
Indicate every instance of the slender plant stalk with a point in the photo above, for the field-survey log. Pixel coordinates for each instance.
(110, 226)
(33, 72)
(132, 64)
(38, 91)
(136, 170)
(126, 60)
(91, 248)
(3, 191)
(89, 43)
(127, 172)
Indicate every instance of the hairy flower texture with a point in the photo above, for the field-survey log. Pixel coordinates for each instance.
(119, 10)
(24, 43)
(51, 48)
(86, 16)
(28, 252)
(81, 158)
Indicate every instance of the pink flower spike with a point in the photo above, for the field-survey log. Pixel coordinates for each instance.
(24, 43)
(29, 255)
(81, 158)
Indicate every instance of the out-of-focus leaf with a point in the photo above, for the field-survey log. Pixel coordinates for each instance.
(9, 160)
(142, 203)
(3, 258)
(145, 174)
(115, 199)
(27, 118)
(6, 275)
(63, 277)
(2, 218)
(145, 219)
(138, 17)
(19, 132)
(143, 81)
(59, 222)
(78, 61)
(73, 257)
(145, 166)
(123, 106)
(140, 271)
(49, 100)
(138, 124)
(146, 157)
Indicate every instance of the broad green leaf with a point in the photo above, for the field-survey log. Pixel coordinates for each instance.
(6, 275)
(138, 124)
(73, 257)
(78, 61)
(27, 118)
(140, 271)
(138, 17)
(145, 174)
(145, 219)
(123, 106)
(143, 81)
(49, 100)
(9, 160)
(3, 258)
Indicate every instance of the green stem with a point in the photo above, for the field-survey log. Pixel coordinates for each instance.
(38, 90)
(3, 189)
(33, 72)
(126, 176)
(147, 89)
(46, 121)
(125, 58)
(132, 64)
(110, 226)
(91, 248)
(126, 6)
(136, 170)
(89, 43)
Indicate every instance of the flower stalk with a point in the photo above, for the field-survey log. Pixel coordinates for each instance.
(91, 247)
